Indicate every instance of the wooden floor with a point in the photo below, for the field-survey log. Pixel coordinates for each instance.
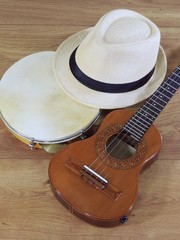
(28, 208)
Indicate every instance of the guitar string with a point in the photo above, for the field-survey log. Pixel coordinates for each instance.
(105, 150)
(121, 131)
(131, 119)
(121, 140)
(160, 93)
(157, 97)
(118, 136)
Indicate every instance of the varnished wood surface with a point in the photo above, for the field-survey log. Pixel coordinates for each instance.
(102, 207)
(28, 208)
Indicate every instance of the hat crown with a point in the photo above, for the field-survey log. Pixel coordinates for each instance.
(126, 30)
(109, 66)
(122, 47)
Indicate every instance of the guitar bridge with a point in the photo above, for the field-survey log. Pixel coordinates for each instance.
(94, 178)
(97, 181)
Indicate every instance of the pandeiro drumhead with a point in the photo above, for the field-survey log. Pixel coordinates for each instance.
(34, 106)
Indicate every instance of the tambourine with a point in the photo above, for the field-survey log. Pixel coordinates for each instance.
(36, 110)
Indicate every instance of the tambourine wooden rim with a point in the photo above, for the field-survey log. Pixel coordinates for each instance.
(49, 145)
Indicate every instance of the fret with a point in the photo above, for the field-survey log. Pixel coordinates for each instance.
(146, 117)
(149, 111)
(135, 130)
(141, 120)
(176, 74)
(170, 86)
(145, 124)
(161, 91)
(159, 103)
(139, 124)
(163, 96)
(167, 91)
(159, 98)
(174, 83)
(132, 133)
(154, 104)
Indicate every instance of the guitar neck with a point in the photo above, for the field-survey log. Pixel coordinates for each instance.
(146, 115)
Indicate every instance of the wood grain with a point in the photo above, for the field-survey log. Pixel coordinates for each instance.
(102, 207)
(28, 208)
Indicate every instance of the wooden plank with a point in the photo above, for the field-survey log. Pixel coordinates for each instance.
(28, 208)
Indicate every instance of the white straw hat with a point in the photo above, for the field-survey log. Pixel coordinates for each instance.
(117, 63)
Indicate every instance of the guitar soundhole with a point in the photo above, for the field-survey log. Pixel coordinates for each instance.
(122, 153)
(119, 148)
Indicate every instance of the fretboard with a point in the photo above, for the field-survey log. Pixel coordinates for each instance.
(145, 116)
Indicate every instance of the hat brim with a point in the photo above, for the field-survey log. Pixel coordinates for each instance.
(98, 99)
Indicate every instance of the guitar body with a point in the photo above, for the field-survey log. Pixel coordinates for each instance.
(106, 205)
